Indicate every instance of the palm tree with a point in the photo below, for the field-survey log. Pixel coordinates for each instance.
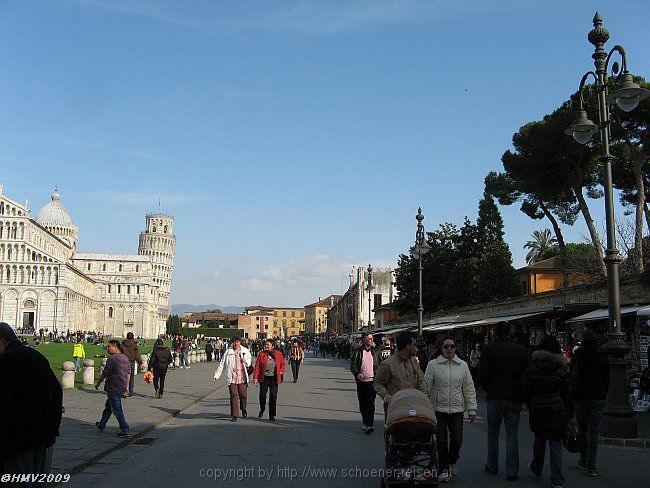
(542, 242)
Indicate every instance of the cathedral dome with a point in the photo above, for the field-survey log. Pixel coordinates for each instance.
(54, 213)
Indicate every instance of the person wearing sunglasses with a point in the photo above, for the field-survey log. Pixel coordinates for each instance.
(448, 383)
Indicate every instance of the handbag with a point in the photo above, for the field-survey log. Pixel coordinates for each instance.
(250, 369)
(571, 441)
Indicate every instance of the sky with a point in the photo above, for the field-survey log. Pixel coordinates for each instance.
(290, 140)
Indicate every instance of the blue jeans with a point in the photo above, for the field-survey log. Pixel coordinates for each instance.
(132, 380)
(77, 364)
(113, 406)
(184, 359)
(32, 461)
(589, 414)
(449, 450)
(555, 449)
(508, 412)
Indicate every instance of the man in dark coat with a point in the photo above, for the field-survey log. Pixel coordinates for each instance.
(363, 366)
(30, 406)
(131, 351)
(501, 373)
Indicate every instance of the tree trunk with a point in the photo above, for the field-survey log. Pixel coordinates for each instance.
(637, 258)
(560, 241)
(595, 238)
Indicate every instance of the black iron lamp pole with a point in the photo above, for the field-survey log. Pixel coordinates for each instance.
(369, 288)
(420, 248)
(617, 420)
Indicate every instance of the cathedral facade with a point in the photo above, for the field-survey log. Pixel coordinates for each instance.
(46, 284)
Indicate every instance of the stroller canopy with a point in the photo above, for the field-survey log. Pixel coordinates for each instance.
(410, 403)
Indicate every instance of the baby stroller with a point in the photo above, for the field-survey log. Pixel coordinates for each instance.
(410, 441)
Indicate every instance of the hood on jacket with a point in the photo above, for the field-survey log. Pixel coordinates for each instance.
(548, 361)
(128, 342)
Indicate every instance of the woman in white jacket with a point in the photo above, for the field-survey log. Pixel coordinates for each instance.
(448, 382)
(236, 362)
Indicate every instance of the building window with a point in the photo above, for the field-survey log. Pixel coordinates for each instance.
(109, 289)
(377, 300)
(137, 268)
(137, 289)
(119, 289)
(266, 327)
(284, 313)
(110, 312)
(88, 267)
(128, 289)
(120, 267)
(104, 267)
(293, 313)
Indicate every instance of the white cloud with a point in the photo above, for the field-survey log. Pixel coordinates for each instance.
(256, 284)
(216, 275)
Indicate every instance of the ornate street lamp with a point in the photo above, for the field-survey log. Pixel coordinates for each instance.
(369, 289)
(618, 420)
(420, 248)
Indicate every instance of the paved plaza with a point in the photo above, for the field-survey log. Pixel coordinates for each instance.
(316, 440)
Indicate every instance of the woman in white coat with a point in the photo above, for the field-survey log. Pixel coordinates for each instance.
(448, 382)
(236, 362)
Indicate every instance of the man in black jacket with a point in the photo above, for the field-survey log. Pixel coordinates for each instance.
(501, 374)
(363, 365)
(30, 406)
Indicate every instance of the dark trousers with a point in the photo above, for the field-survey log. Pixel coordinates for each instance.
(32, 461)
(269, 384)
(113, 406)
(295, 368)
(238, 397)
(508, 412)
(159, 379)
(132, 380)
(449, 445)
(209, 356)
(555, 449)
(366, 394)
(589, 414)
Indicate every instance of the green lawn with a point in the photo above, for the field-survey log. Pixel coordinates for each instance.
(56, 354)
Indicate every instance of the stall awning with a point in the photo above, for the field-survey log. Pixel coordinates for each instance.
(603, 313)
(481, 322)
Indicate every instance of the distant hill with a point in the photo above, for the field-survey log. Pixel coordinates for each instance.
(181, 308)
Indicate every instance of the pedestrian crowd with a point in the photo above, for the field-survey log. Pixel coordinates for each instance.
(553, 388)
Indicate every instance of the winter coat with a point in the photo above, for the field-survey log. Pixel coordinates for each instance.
(131, 351)
(547, 395)
(30, 401)
(395, 374)
(501, 370)
(260, 365)
(449, 385)
(161, 358)
(228, 361)
(590, 375)
(357, 356)
(78, 351)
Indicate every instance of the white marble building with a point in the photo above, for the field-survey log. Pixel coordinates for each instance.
(46, 284)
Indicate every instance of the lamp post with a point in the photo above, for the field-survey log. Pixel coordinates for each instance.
(420, 248)
(618, 420)
(369, 289)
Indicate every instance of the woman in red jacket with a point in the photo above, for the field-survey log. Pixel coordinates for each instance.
(268, 372)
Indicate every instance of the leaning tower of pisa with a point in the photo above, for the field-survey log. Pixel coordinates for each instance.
(159, 243)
